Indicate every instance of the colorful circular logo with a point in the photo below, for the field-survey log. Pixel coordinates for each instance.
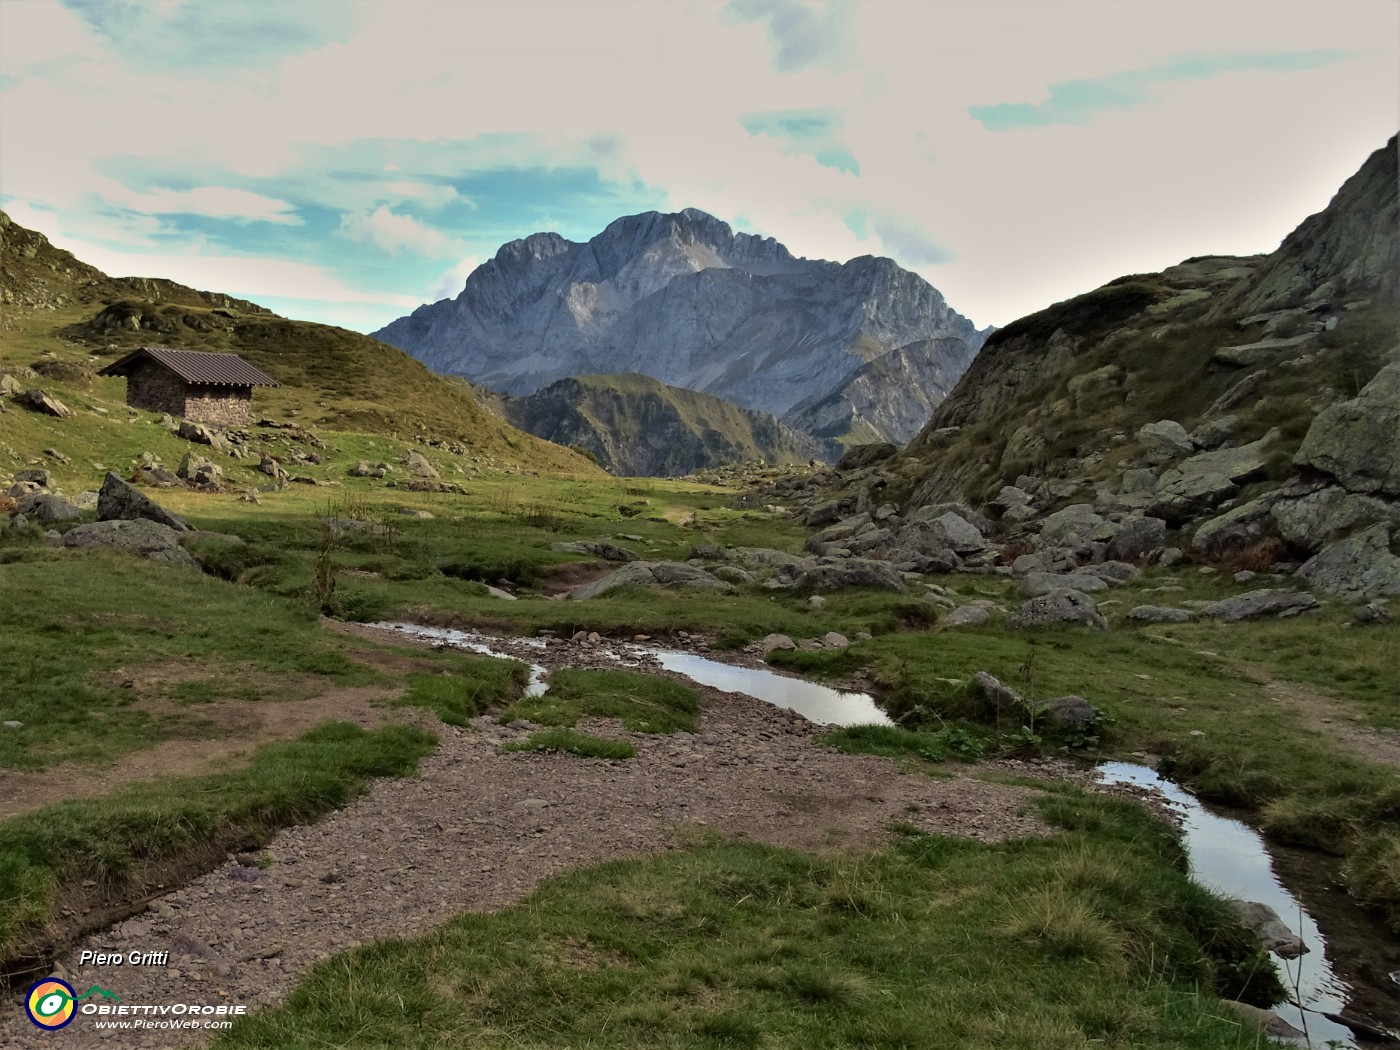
(50, 1003)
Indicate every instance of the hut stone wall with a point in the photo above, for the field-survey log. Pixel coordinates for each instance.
(156, 389)
(219, 406)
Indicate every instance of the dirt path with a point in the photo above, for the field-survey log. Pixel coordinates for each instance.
(1338, 721)
(479, 828)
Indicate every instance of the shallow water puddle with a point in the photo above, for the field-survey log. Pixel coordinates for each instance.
(1231, 858)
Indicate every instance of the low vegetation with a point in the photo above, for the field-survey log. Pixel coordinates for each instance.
(642, 703)
(572, 741)
(1092, 936)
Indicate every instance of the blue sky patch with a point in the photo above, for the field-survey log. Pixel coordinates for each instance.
(1079, 102)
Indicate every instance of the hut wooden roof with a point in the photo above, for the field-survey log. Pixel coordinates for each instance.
(195, 366)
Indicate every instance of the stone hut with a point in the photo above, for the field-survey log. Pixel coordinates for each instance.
(201, 386)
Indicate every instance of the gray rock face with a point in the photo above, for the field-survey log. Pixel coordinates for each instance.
(1204, 481)
(1164, 440)
(118, 500)
(1062, 608)
(685, 300)
(1071, 712)
(419, 466)
(200, 434)
(1310, 522)
(1136, 538)
(647, 573)
(1236, 528)
(1358, 568)
(1358, 441)
(46, 403)
(1270, 602)
(948, 532)
(1074, 527)
(150, 539)
(1037, 583)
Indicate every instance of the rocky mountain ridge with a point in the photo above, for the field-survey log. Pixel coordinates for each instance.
(635, 425)
(1238, 412)
(686, 300)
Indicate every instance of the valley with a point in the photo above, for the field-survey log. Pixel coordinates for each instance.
(1122, 536)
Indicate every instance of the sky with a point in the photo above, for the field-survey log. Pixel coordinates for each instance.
(345, 161)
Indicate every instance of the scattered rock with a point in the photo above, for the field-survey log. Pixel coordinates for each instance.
(1072, 713)
(663, 573)
(851, 572)
(1267, 1022)
(1358, 441)
(968, 616)
(1272, 931)
(42, 402)
(773, 642)
(1269, 602)
(119, 500)
(835, 640)
(1164, 440)
(1204, 481)
(1061, 608)
(47, 509)
(200, 434)
(1159, 614)
(1137, 537)
(1372, 612)
(599, 549)
(1037, 583)
(1358, 568)
(148, 538)
(419, 466)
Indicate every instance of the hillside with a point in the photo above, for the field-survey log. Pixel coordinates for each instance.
(636, 425)
(1120, 397)
(65, 320)
(686, 300)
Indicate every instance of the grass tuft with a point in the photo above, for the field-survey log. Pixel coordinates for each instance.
(574, 742)
(643, 703)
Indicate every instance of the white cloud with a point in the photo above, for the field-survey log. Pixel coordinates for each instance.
(451, 282)
(395, 233)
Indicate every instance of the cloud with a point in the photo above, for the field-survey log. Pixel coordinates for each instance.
(800, 34)
(808, 132)
(451, 282)
(214, 202)
(394, 233)
(215, 34)
(1079, 102)
(908, 244)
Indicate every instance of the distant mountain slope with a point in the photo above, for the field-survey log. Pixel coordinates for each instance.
(636, 425)
(1268, 341)
(60, 310)
(684, 299)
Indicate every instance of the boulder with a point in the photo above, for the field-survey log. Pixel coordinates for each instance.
(968, 616)
(1251, 605)
(1137, 537)
(1239, 392)
(760, 558)
(1036, 583)
(949, 531)
(1159, 614)
(1061, 608)
(1272, 931)
(1268, 1023)
(9, 385)
(198, 470)
(1372, 612)
(663, 573)
(119, 500)
(773, 642)
(1359, 568)
(935, 511)
(851, 572)
(1071, 713)
(46, 403)
(1313, 520)
(1112, 572)
(36, 476)
(141, 536)
(597, 548)
(1010, 497)
(47, 509)
(1236, 528)
(200, 434)
(1215, 432)
(419, 466)
(1164, 440)
(270, 466)
(997, 694)
(1075, 527)
(1358, 441)
(835, 640)
(1204, 481)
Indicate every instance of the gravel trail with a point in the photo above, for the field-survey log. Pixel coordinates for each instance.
(478, 828)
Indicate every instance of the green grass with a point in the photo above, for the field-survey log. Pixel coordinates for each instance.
(50, 852)
(575, 743)
(101, 631)
(1091, 937)
(643, 703)
(468, 688)
(898, 742)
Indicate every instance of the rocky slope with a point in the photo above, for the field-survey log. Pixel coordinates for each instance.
(636, 425)
(686, 300)
(1244, 410)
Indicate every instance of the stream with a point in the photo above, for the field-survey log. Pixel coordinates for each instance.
(1226, 855)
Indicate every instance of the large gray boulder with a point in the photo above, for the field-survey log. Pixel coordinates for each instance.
(200, 434)
(1062, 608)
(141, 536)
(949, 531)
(760, 558)
(1159, 614)
(1075, 527)
(1136, 538)
(47, 509)
(934, 511)
(1196, 485)
(1312, 521)
(39, 401)
(1251, 605)
(120, 501)
(1164, 440)
(1037, 583)
(1358, 441)
(850, 572)
(1359, 568)
(1237, 528)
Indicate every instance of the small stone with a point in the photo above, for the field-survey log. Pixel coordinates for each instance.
(12, 724)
